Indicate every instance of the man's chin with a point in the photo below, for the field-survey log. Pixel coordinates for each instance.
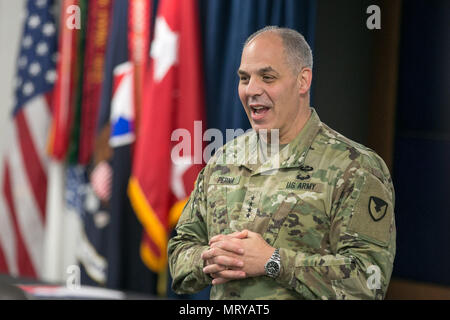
(261, 128)
(266, 130)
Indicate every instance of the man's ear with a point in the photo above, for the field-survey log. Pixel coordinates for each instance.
(305, 80)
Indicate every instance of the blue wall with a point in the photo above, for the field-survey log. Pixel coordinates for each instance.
(422, 144)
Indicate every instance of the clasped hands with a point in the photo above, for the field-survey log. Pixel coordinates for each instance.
(237, 255)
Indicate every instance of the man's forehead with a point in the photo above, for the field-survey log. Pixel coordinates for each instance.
(264, 41)
(268, 36)
(265, 51)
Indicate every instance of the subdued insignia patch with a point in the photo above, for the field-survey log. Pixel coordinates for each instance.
(306, 168)
(303, 177)
(377, 208)
(373, 212)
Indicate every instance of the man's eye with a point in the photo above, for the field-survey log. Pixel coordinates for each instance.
(243, 79)
(267, 78)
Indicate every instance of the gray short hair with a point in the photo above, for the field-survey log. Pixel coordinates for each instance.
(298, 52)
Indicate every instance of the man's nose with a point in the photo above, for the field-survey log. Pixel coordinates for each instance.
(254, 87)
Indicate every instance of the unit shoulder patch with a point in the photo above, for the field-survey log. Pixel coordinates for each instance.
(373, 212)
(377, 208)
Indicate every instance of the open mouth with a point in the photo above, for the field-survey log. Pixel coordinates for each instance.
(259, 109)
(258, 112)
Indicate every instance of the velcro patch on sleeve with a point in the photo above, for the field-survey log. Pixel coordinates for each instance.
(373, 212)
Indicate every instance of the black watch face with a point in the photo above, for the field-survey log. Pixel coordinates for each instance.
(272, 267)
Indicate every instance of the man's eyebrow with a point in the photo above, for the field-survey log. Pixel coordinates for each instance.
(241, 73)
(267, 69)
(260, 71)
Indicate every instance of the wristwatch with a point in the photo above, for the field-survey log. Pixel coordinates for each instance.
(273, 265)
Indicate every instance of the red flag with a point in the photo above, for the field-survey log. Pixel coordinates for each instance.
(139, 30)
(173, 99)
(99, 16)
(64, 94)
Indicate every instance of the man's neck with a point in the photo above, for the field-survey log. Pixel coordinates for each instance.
(298, 125)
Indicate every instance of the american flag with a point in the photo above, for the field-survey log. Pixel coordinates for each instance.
(23, 170)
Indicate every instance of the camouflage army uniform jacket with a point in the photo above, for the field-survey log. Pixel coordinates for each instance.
(327, 202)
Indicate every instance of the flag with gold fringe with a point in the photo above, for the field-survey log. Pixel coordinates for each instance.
(160, 185)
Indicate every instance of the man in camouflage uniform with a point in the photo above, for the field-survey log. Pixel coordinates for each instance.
(321, 209)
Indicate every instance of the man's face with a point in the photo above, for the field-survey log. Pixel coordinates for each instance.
(268, 88)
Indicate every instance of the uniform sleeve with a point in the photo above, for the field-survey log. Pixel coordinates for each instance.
(362, 241)
(186, 247)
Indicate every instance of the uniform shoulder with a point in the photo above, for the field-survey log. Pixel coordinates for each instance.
(349, 152)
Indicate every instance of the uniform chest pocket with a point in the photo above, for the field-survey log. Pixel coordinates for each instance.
(294, 218)
(276, 208)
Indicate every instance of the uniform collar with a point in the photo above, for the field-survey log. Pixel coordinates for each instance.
(292, 155)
